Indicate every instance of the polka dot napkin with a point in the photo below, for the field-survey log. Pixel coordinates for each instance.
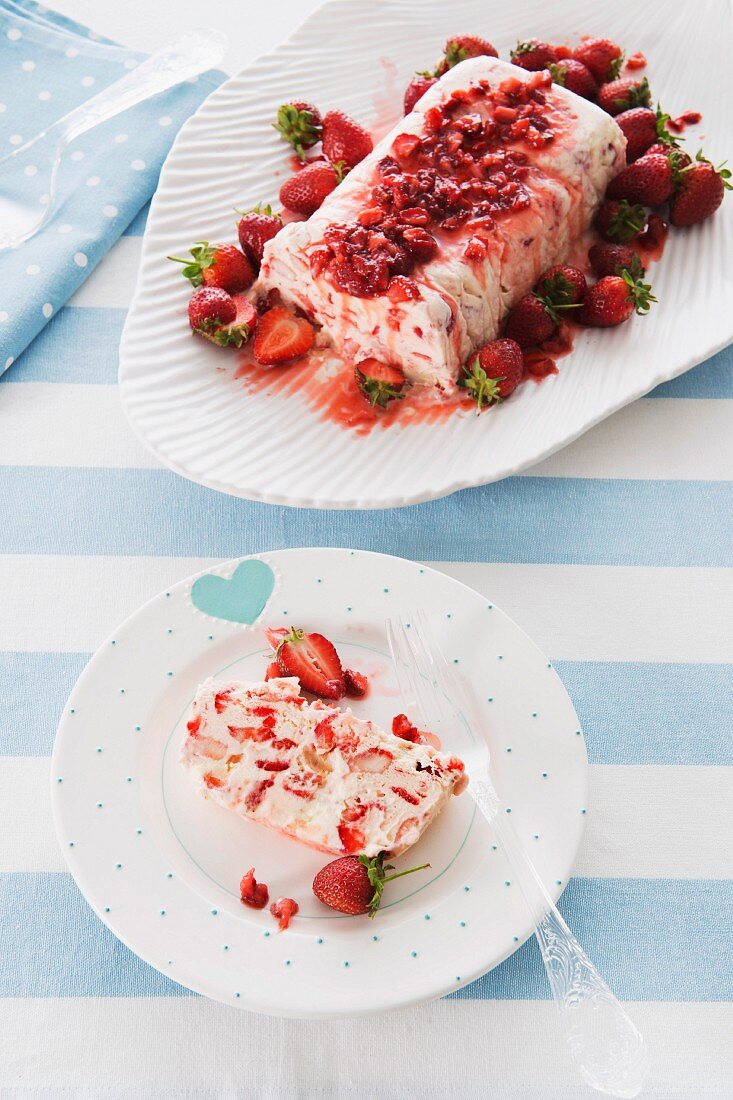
(49, 66)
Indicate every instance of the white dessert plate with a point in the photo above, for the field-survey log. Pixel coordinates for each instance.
(181, 395)
(161, 865)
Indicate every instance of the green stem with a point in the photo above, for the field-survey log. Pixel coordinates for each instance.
(401, 873)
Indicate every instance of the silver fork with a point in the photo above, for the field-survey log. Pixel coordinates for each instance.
(606, 1046)
(20, 218)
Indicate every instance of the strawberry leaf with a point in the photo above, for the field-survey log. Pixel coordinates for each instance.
(639, 292)
(202, 256)
(483, 390)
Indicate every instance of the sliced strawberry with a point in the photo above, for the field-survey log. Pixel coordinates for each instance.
(275, 635)
(314, 660)
(356, 683)
(281, 336)
(272, 671)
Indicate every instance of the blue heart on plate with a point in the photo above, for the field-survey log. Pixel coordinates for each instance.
(242, 598)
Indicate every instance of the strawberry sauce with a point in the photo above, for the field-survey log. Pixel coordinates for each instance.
(689, 118)
(636, 61)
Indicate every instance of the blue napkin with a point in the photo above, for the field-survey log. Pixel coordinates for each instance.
(49, 65)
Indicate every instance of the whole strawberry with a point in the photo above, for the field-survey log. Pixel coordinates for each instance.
(217, 265)
(416, 89)
(209, 308)
(611, 259)
(304, 192)
(613, 299)
(699, 193)
(601, 56)
(534, 55)
(574, 76)
(256, 227)
(354, 884)
(561, 286)
(344, 140)
(529, 322)
(648, 181)
(620, 221)
(622, 94)
(495, 372)
(299, 124)
(640, 128)
(461, 46)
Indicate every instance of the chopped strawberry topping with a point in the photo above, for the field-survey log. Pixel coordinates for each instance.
(374, 760)
(194, 725)
(356, 683)
(212, 780)
(283, 910)
(272, 765)
(209, 746)
(283, 743)
(272, 671)
(304, 784)
(413, 799)
(352, 840)
(324, 735)
(403, 727)
(256, 794)
(250, 733)
(253, 893)
(221, 700)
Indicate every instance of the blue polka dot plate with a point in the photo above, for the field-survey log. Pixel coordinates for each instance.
(161, 866)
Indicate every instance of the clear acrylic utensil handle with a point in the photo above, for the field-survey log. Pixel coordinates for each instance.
(603, 1041)
(192, 54)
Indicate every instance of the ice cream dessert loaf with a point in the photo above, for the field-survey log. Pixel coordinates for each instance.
(417, 256)
(312, 770)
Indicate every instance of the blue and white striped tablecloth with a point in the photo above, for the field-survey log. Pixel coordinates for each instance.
(615, 555)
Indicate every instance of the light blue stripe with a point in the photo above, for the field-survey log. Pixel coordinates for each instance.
(583, 521)
(631, 713)
(713, 378)
(33, 690)
(77, 345)
(80, 344)
(647, 713)
(652, 939)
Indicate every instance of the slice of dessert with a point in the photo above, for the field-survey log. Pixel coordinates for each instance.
(313, 771)
(416, 257)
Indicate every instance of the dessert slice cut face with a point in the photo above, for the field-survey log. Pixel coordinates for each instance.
(417, 256)
(313, 771)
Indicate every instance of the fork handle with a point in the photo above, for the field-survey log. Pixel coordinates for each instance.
(606, 1046)
(190, 55)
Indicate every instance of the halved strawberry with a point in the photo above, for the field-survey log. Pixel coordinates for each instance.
(282, 335)
(379, 382)
(226, 320)
(314, 660)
